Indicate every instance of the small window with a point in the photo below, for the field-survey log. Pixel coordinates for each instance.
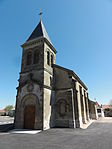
(99, 110)
(48, 58)
(52, 60)
(29, 58)
(51, 81)
(62, 108)
(36, 57)
(80, 90)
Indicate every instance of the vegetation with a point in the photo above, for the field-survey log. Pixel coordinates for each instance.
(108, 112)
(8, 108)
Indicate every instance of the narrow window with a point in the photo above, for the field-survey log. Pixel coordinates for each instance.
(50, 81)
(36, 57)
(62, 108)
(67, 108)
(48, 58)
(52, 60)
(29, 58)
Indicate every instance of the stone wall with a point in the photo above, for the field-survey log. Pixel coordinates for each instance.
(29, 97)
(92, 110)
(64, 114)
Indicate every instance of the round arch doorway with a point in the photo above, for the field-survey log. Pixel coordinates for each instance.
(29, 117)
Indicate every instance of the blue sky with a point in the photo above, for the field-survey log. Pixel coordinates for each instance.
(81, 31)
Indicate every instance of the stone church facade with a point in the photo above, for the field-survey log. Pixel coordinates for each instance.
(48, 95)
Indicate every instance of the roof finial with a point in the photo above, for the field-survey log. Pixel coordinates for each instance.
(40, 14)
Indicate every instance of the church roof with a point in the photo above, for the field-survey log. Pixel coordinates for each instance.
(38, 32)
(73, 74)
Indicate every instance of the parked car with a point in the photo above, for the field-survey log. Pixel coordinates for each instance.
(11, 113)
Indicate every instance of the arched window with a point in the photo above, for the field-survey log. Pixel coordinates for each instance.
(62, 109)
(52, 59)
(48, 58)
(29, 58)
(51, 81)
(36, 57)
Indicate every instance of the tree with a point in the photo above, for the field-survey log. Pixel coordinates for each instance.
(8, 108)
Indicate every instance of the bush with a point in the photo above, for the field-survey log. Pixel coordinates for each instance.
(108, 112)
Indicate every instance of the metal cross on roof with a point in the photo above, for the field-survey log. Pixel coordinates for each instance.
(40, 14)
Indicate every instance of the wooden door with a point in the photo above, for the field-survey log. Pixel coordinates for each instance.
(29, 117)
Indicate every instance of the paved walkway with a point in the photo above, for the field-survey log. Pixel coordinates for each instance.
(97, 136)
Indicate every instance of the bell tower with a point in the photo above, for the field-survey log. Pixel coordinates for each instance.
(33, 100)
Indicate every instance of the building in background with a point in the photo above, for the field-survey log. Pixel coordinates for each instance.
(107, 110)
(100, 110)
(2, 112)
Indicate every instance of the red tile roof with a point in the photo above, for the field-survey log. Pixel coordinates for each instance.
(106, 106)
(2, 111)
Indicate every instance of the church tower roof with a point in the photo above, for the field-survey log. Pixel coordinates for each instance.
(39, 32)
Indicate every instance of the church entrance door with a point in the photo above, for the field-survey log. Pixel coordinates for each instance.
(29, 117)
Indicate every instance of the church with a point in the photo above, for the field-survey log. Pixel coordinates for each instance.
(48, 95)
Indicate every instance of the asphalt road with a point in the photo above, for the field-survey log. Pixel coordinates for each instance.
(6, 120)
(97, 136)
(6, 123)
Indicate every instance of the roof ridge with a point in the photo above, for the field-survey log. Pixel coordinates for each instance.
(45, 34)
(39, 31)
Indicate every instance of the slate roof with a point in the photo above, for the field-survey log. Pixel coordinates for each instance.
(38, 32)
